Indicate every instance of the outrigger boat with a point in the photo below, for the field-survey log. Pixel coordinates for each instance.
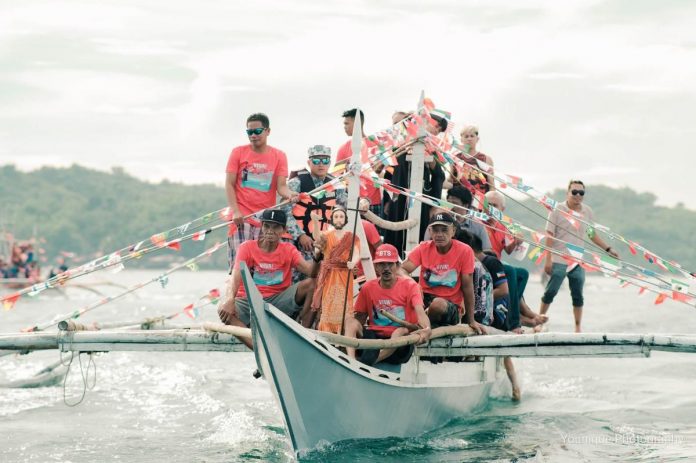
(324, 395)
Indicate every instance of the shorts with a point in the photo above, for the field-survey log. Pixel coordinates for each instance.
(369, 356)
(452, 317)
(576, 281)
(284, 301)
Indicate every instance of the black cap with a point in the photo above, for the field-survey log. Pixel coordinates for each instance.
(442, 218)
(275, 216)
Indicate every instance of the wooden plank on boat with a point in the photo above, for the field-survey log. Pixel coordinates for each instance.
(124, 340)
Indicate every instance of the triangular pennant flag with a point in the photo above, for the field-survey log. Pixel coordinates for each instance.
(680, 286)
(163, 280)
(199, 236)
(175, 245)
(8, 302)
(660, 298)
(575, 251)
(191, 311)
(193, 266)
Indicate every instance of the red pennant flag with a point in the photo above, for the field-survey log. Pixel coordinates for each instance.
(214, 293)
(660, 298)
(188, 310)
(681, 297)
(198, 236)
(641, 290)
(175, 245)
(631, 247)
(9, 302)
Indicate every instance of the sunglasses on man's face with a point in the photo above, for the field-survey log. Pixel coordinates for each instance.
(256, 131)
(317, 161)
(577, 192)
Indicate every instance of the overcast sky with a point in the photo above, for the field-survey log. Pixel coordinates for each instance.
(604, 91)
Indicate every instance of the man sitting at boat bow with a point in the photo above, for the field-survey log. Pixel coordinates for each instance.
(446, 275)
(271, 262)
(393, 307)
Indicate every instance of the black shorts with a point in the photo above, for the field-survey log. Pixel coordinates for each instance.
(401, 354)
(452, 317)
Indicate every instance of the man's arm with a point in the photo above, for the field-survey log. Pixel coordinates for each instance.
(228, 308)
(549, 245)
(407, 268)
(603, 244)
(308, 267)
(501, 290)
(490, 178)
(284, 191)
(230, 185)
(468, 291)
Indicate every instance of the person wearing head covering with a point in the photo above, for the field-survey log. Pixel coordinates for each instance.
(392, 306)
(270, 262)
(333, 295)
(446, 274)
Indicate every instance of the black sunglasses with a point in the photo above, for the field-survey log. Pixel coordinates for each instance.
(317, 161)
(256, 131)
(577, 192)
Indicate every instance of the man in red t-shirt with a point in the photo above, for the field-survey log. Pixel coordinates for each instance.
(270, 262)
(446, 275)
(395, 295)
(255, 173)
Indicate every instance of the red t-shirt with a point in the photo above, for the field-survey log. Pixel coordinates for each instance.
(257, 176)
(400, 300)
(272, 271)
(372, 235)
(367, 188)
(440, 273)
(498, 236)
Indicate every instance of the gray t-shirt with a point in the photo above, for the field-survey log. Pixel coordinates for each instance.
(563, 229)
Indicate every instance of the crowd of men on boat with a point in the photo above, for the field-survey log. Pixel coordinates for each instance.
(21, 263)
(304, 261)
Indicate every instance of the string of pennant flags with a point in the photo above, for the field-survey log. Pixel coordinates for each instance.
(162, 278)
(384, 147)
(534, 249)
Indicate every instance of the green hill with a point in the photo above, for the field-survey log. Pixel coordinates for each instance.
(87, 211)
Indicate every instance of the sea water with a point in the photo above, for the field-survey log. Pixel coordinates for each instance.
(207, 407)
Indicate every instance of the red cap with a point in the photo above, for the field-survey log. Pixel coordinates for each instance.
(386, 253)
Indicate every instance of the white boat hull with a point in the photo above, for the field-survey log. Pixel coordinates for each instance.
(327, 397)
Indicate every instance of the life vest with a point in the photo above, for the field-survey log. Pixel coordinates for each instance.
(308, 204)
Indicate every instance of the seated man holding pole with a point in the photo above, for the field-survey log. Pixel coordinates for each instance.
(270, 262)
(446, 275)
(392, 305)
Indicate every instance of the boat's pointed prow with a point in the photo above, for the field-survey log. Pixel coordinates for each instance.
(326, 396)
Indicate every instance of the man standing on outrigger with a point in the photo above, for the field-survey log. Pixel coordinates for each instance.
(562, 233)
(446, 273)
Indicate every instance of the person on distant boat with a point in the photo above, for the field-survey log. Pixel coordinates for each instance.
(560, 231)
(270, 262)
(333, 295)
(367, 189)
(446, 271)
(60, 268)
(300, 225)
(492, 297)
(255, 172)
(473, 179)
(398, 296)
